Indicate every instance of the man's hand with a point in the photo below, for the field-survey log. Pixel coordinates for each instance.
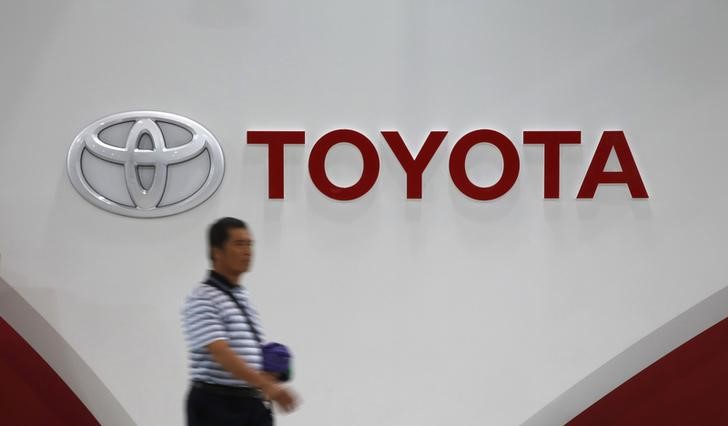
(272, 376)
(268, 384)
(282, 396)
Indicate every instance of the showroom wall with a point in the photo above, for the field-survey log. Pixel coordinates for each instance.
(431, 311)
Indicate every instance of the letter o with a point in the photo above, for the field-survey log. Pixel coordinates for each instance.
(317, 164)
(511, 164)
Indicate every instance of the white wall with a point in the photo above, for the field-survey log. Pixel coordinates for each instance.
(431, 312)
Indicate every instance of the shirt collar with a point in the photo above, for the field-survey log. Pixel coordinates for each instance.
(221, 279)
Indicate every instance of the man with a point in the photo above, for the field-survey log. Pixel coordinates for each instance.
(228, 386)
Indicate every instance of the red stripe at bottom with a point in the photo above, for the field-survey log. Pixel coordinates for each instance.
(688, 386)
(31, 393)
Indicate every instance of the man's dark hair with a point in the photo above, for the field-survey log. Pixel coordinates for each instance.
(218, 232)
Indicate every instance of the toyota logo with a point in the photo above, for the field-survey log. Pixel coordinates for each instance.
(145, 164)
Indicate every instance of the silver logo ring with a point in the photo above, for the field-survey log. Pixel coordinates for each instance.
(146, 201)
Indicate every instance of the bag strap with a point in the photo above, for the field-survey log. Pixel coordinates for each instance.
(214, 283)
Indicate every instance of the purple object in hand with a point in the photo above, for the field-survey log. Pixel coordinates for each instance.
(277, 359)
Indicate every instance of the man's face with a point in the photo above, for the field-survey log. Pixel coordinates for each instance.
(236, 252)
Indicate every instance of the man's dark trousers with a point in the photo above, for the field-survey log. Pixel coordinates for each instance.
(206, 408)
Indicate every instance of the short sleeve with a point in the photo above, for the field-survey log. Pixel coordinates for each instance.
(202, 322)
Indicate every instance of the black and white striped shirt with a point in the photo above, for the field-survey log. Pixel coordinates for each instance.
(210, 315)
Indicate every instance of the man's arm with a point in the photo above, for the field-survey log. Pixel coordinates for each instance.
(230, 361)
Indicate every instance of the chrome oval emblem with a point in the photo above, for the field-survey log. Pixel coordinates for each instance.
(145, 164)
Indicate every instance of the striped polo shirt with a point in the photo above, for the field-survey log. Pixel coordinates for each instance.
(208, 315)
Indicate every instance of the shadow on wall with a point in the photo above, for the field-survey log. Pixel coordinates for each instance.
(44, 380)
